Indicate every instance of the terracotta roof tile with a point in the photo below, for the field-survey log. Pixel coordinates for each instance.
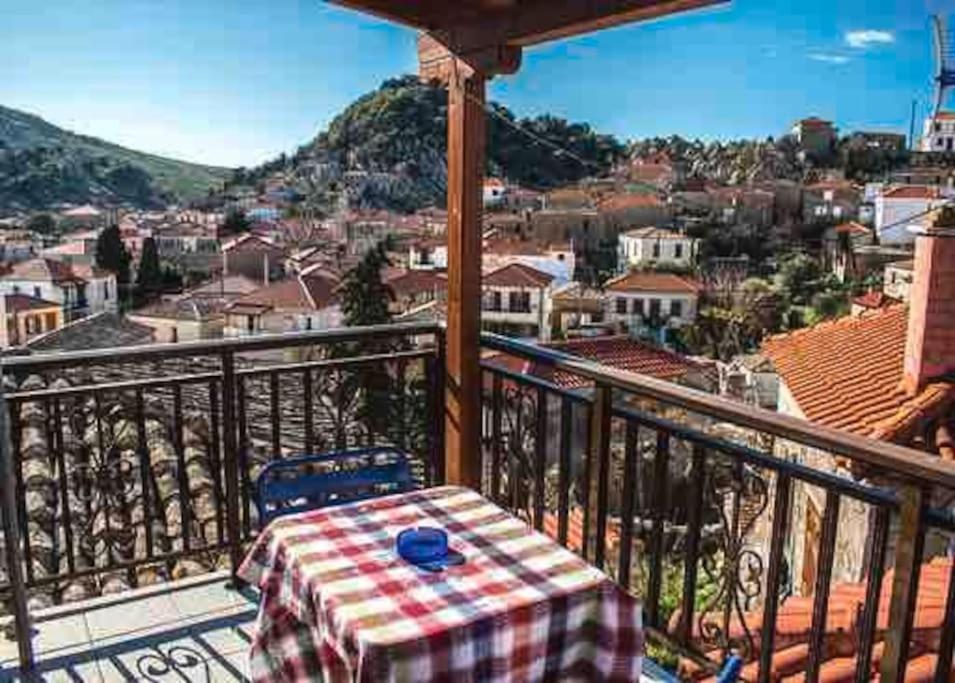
(847, 374)
(875, 299)
(794, 623)
(647, 281)
(21, 302)
(912, 192)
(517, 275)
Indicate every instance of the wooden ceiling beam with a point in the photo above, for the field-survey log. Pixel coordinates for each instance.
(537, 21)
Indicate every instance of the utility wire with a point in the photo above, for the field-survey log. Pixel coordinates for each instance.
(562, 151)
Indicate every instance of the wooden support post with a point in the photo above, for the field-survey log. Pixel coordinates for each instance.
(465, 174)
(465, 79)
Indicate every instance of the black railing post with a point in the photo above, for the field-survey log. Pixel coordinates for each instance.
(435, 369)
(11, 535)
(596, 530)
(909, 545)
(230, 459)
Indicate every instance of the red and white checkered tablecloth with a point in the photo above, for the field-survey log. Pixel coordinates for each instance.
(338, 601)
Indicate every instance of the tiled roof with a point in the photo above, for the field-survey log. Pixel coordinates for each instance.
(623, 353)
(189, 308)
(647, 281)
(945, 116)
(618, 352)
(651, 232)
(21, 302)
(843, 625)
(875, 299)
(251, 242)
(309, 291)
(852, 228)
(622, 201)
(99, 331)
(412, 282)
(847, 374)
(517, 275)
(43, 270)
(912, 192)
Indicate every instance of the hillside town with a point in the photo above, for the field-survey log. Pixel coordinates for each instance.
(447, 392)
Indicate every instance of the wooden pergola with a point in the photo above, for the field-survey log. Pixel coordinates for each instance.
(463, 43)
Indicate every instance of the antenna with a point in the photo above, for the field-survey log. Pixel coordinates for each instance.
(944, 61)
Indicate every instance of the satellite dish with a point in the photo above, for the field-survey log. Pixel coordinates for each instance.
(944, 61)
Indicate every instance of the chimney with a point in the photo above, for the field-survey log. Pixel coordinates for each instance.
(930, 342)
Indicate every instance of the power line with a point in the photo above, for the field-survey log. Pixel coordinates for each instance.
(584, 162)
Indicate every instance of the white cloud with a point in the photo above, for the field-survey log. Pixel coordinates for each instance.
(868, 38)
(828, 58)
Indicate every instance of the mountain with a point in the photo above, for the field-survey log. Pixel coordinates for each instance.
(42, 165)
(387, 150)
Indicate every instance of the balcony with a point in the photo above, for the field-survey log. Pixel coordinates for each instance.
(132, 473)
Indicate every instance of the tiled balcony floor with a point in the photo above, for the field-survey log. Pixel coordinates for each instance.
(195, 630)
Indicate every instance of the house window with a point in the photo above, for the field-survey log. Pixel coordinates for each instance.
(250, 323)
(37, 292)
(308, 323)
(678, 250)
(656, 250)
(519, 302)
(621, 305)
(492, 302)
(50, 321)
(106, 291)
(654, 308)
(636, 306)
(676, 309)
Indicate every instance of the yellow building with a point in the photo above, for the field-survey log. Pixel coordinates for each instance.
(28, 317)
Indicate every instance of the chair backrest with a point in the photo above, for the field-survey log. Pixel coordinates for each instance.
(307, 482)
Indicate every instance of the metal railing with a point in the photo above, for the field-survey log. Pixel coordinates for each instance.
(131, 465)
(701, 506)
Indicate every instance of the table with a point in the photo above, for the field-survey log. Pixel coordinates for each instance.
(339, 603)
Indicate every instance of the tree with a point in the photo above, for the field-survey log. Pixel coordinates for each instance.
(111, 254)
(150, 278)
(364, 301)
(42, 223)
(235, 222)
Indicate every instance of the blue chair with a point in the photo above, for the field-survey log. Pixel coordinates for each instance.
(307, 482)
(654, 673)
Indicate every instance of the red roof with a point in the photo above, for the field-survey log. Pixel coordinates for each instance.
(619, 352)
(843, 625)
(619, 202)
(847, 374)
(875, 299)
(852, 228)
(945, 116)
(43, 270)
(517, 275)
(912, 192)
(16, 303)
(412, 282)
(307, 292)
(648, 281)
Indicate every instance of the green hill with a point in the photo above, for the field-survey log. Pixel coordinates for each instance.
(387, 150)
(42, 165)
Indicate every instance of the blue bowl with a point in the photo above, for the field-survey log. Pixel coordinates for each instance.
(427, 547)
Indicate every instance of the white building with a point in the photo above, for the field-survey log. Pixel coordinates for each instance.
(557, 260)
(900, 207)
(897, 279)
(651, 245)
(647, 300)
(938, 133)
(495, 192)
(428, 254)
(517, 299)
(79, 289)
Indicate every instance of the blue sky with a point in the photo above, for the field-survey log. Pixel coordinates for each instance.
(237, 81)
